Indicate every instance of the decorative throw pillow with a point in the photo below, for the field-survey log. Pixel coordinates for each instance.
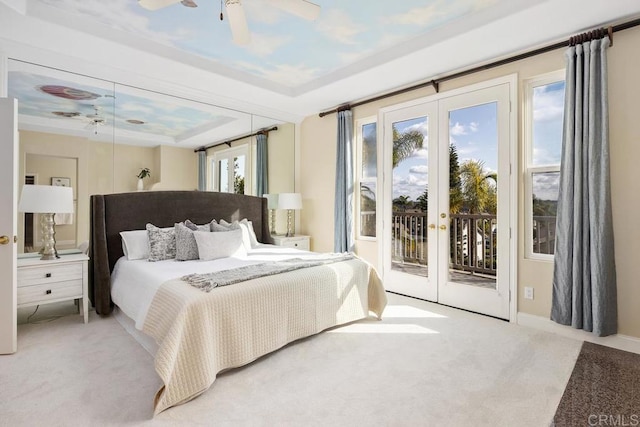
(186, 246)
(248, 235)
(135, 244)
(220, 245)
(162, 243)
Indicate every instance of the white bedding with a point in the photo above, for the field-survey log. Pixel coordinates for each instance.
(134, 283)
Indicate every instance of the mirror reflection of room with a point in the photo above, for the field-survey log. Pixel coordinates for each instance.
(108, 133)
(56, 171)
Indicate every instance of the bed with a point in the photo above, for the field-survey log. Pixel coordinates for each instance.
(199, 334)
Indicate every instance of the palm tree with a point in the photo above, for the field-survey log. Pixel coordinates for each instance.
(455, 192)
(423, 200)
(405, 144)
(478, 193)
(401, 202)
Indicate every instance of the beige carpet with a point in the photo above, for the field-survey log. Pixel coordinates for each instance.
(423, 365)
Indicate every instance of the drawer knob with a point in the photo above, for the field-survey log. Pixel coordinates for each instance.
(295, 244)
(47, 275)
(48, 291)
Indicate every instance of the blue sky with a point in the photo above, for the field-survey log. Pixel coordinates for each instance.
(284, 48)
(472, 130)
(548, 107)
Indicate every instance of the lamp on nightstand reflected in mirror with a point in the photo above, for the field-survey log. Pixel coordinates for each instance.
(47, 200)
(290, 202)
(272, 205)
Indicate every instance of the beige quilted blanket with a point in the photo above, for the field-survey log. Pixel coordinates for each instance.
(200, 334)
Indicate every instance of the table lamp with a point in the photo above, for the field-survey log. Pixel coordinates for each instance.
(272, 205)
(291, 202)
(47, 200)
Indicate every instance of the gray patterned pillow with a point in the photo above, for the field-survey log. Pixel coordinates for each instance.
(162, 243)
(186, 246)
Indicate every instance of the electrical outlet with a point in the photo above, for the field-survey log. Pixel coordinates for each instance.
(528, 292)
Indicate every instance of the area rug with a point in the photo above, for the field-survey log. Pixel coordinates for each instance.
(603, 390)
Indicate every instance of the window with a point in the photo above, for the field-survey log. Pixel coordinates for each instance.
(544, 111)
(366, 177)
(230, 170)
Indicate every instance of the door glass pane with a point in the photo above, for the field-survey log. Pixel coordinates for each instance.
(473, 197)
(368, 181)
(409, 196)
(238, 174)
(545, 204)
(223, 175)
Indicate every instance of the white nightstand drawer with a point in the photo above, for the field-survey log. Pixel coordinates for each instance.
(49, 274)
(298, 244)
(48, 292)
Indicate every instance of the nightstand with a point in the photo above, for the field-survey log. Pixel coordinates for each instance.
(44, 282)
(298, 242)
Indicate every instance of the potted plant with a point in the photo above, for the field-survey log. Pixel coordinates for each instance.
(144, 173)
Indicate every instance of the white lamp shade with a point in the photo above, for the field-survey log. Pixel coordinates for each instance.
(289, 201)
(272, 200)
(46, 199)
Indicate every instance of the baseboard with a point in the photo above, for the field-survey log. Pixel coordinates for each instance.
(621, 342)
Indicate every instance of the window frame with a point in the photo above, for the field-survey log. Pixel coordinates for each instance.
(359, 124)
(230, 153)
(529, 168)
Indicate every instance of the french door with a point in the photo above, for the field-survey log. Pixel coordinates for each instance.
(447, 202)
(230, 170)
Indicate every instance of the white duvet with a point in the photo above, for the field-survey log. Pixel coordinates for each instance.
(134, 283)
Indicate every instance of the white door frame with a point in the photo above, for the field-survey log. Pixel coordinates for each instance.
(512, 81)
(410, 284)
(8, 224)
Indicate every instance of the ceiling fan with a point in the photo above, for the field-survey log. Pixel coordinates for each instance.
(94, 120)
(237, 19)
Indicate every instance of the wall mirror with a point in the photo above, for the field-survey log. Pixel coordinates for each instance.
(97, 135)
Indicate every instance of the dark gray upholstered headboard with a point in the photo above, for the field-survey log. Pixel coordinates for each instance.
(113, 213)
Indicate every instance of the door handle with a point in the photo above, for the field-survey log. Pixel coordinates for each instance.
(432, 226)
(4, 240)
(443, 227)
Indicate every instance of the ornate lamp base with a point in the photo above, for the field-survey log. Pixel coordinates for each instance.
(47, 225)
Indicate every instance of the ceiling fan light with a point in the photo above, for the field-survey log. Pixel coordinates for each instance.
(156, 4)
(237, 22)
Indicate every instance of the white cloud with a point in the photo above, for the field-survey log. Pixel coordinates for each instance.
(420, 170)
(418, 16)
(458, 129)
(461, 129)
(263, 45)
(337, 25)
(548, 105)
(118, 14)
(287, 74)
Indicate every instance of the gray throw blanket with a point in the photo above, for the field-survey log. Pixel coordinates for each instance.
(207, 281)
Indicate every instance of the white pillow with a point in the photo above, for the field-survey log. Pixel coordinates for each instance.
(248, 234)
(222, 244)
(135, 244)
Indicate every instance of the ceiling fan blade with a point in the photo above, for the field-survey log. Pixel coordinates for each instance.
(156, 4)
(189, 3)
(302, 8)
(237, 22)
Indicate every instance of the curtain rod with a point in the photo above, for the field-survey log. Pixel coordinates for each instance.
(260, 132)
(436, 82)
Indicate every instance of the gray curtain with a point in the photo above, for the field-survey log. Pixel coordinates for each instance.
(584, 274)
(262, 172)
(202, 170)
(343, 209)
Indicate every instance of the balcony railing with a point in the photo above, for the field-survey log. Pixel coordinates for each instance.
(473, 239)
